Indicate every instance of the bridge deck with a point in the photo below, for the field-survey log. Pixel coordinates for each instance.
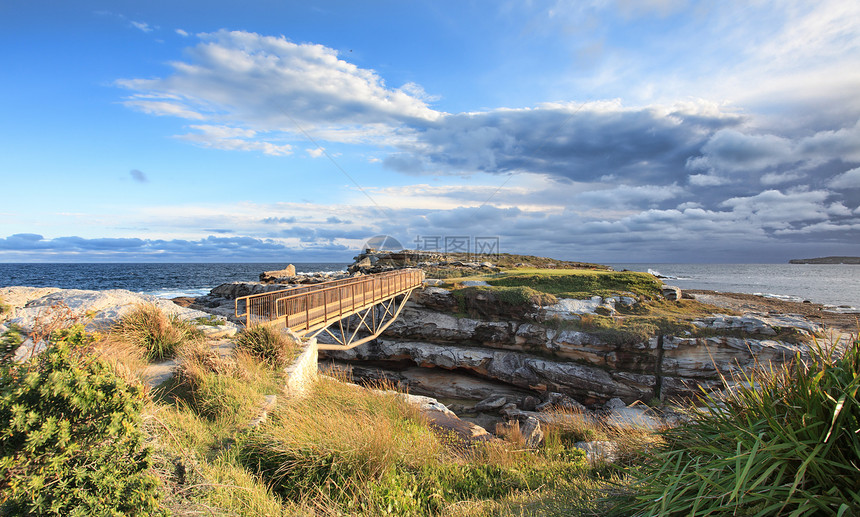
(306, 309)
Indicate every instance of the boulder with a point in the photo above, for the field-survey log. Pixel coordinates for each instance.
(531, 432)
(598, 451)
(670, 292)
(559, 401)
(275, 276)
(493, 403)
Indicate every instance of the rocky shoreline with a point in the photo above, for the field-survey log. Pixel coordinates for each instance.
(528, 363)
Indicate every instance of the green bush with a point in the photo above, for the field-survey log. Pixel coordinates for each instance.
(10, 341)
(269, 344)
(71, 442)
(784, 442)
(159, 334)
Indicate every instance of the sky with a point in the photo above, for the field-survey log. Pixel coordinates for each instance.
(284, 131)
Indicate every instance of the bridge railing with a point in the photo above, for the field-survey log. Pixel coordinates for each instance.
(306, 307)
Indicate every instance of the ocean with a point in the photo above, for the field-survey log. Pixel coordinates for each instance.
(835, 285)
(161, 280)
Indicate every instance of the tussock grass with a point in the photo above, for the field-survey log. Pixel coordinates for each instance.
(780, 442)
(268, 343)
(349, 450)
(158, 333)
(4, 308)
(224, 387)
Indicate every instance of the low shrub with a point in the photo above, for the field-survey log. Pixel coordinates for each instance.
(269, 344)
(72, 443)
(10, 341)
(158, 333)
(781, 442)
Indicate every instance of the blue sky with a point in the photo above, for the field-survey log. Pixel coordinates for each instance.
(606, 131)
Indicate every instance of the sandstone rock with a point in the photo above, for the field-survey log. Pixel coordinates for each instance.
(99, 308)
(433, 282)
(531, 432)
(530, 403)
(491, 404)
(598, 451)
(475, 283)
(440, 416)
(275, 276)
(670, 292)
(559, 401)
(569, 308)
(759, 323)
(233, 290)
(614, 403)
(634, 417)
(519, 369)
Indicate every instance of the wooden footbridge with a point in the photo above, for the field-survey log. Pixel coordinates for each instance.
(352, 311)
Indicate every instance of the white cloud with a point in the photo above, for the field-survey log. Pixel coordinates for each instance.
(142, 26)
(315, 152)
(182, 33)
(848, 179)
(775, 178)
(271, 84)
(234, 139)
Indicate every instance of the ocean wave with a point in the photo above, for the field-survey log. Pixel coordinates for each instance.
(177, 293)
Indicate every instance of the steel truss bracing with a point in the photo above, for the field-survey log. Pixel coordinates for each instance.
(364, 325)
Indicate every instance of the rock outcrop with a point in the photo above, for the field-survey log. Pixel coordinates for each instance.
(32, 307)
(538, 357)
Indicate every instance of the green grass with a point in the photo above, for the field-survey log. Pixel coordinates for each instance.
(269, 343)
(355, 451)
(782, 442)
(4, 308)
(581, 283)
(209, 321)
(158, 333)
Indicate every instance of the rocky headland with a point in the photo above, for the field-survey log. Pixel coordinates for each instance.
(499, 340)
(519, 338)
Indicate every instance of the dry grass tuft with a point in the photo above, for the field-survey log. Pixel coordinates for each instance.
(158, 333)
(268, 343)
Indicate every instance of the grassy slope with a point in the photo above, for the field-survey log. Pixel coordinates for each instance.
(347, 450)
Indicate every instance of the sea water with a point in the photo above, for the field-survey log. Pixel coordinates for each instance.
(162, 280)
(830, 284)
(835, 285)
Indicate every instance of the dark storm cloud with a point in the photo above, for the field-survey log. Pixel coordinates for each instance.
(637, 146)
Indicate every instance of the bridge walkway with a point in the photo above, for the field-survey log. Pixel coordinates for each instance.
(376, 300)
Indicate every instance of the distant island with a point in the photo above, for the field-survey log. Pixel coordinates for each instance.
(826, 260)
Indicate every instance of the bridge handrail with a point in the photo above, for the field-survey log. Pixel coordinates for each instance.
(267, 305)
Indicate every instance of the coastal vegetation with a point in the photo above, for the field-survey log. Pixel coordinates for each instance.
(779, 442)
(72, 442)
(580, 283)
(268, 344)
(158, 333)
(223, 437)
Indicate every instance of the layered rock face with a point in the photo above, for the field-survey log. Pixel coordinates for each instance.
(533, 356)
